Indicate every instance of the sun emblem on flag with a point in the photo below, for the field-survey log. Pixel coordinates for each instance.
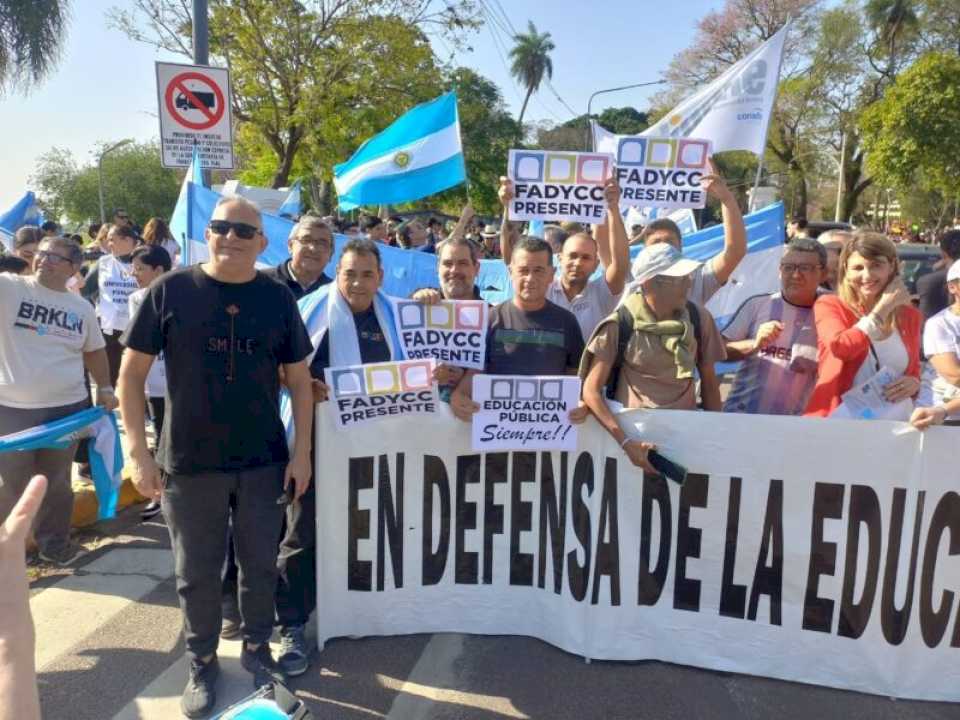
(401, 159)
(676, 120)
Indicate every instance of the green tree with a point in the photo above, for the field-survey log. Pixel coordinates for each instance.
(531, 62)
(574, 134)
(133, 179)
(912, 134)
(32, 34)
(302, 69)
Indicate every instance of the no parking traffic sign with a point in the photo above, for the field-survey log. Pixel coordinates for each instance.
(194, 108)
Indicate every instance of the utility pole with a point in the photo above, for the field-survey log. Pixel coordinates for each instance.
(843, 151)
(103, 214)
(201, 47)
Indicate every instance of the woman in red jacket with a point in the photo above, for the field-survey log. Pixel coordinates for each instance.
(869, 324)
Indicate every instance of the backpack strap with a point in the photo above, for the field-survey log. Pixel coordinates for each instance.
(624, 331)
(694, 313)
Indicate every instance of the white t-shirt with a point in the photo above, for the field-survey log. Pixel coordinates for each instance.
(156, 385)
(116, 284)
(595, 303)
(891, 353)
(941, 334)
(43, 335)
(173, 250)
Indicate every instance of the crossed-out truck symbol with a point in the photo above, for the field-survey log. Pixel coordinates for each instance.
(207, 99)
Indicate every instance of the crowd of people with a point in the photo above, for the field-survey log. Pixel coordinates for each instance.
(209, 349)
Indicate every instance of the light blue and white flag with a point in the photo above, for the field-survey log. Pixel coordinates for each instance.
(292, 207)
(323, 311)
(418, 155)
(24, 212)
(106, 454)
(191, 250)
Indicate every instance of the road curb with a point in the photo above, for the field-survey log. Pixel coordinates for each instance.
(85, 505)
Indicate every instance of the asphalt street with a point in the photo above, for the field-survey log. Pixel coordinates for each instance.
(109, 646)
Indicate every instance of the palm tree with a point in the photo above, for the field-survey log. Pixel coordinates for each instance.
(892, 19)
(531, 62)
(32, 36)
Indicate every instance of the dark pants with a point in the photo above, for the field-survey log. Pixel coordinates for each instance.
(52, 525)
(114, 353)
(297, 563)
(197, 509)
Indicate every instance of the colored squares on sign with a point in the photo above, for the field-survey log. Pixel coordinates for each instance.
(411, 316)
(632, 151)
(592, 169)
(561, 169)
(528, 167)
(691, 154)
(501, 390)
(416, 376)
(382, 379)
(661, 153)
(469, 317)
(551, 390)
(440, 316)
(348, 382)
(527, 390)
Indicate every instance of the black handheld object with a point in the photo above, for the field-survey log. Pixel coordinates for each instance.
(667, 468)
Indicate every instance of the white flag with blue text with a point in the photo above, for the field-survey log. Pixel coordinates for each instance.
(733, 112)
(418, 155)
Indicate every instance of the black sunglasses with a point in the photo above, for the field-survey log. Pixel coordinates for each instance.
(242, 230)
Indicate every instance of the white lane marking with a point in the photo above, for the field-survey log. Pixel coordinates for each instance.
(76, 607)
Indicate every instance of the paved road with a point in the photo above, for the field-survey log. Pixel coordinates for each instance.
(109, 646)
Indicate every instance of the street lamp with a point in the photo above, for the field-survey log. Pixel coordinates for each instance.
(103, 216)
(610, 90)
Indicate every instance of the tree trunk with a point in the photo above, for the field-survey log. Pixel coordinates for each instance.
(523, 111)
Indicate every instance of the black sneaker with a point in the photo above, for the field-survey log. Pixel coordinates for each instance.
(261, 665)
(200, 694)
(294, 652)
(66, 557)
(150, 510)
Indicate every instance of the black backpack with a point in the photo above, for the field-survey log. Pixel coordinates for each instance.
(625, 326)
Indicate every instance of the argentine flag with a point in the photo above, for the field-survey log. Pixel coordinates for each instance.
(418, 155)
(106, 455)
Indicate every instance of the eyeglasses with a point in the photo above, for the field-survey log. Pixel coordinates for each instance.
(241, 230)
(805, 268)
(55, 258)
(314, 244)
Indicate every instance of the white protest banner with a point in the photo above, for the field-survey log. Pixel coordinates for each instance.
(662, 172)
(550, 185)
(811, 550)
(525, 412)
(194, 109)
(733, 111)
(453, 332)
(363, 393)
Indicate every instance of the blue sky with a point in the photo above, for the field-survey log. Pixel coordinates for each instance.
(105, 87)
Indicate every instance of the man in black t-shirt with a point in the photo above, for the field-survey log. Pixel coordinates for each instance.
(224, 330)
(527, 335)
(359, 277)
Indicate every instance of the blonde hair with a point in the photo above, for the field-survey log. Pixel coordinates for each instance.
(102, 233)
(870, 246)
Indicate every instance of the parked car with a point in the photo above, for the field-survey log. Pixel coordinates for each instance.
(916, 260)
(818, 227)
